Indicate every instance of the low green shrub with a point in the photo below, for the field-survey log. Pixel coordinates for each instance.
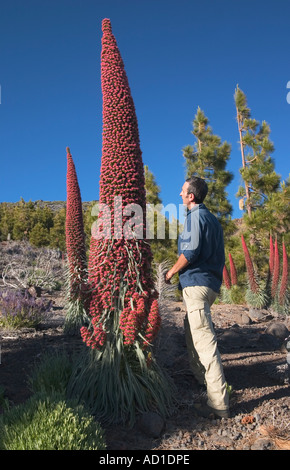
(51, 374)
(49, 423)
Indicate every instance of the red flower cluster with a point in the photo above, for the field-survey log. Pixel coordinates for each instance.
(95, 339)
(250, 269)
(153, 322)
(120, 268)
(132, 318)
(75, 237)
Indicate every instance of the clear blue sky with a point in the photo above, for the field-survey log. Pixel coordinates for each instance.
(178, 55)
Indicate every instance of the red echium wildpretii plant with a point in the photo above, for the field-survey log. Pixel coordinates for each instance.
(76, 252)
(123, 312)
(283, 298)
(233, 271)
(271, 256)
(120, 268)
(255, 295)
(229, 289)
(226, 286)
(250, 268)
(276, 270)
(279, 285)
(226, 277)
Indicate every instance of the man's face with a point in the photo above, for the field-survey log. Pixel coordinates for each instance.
(187, 199)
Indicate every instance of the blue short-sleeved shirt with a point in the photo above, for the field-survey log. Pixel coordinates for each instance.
(202, 244)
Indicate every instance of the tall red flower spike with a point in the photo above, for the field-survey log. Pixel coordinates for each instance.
(271, 256)
(233, 271)
(75, 237)
(284, 278)
(250, 269)
(275, 279)
(120, 266)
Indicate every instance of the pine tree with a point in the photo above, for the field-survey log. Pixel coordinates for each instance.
(23, 220)
(39, 235)
(277, 210)
(151, 188)
(208, 159)
(260, 197)
(57, 232)
(41, 221)
(163, 249)
(257, 171)
(90, 216)
(7, 217)
(43, 215)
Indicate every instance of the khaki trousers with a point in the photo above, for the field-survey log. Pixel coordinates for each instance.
(204, 357)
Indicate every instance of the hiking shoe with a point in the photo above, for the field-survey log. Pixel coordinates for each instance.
(207, 412)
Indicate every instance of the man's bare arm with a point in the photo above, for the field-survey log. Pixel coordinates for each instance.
(180, 264)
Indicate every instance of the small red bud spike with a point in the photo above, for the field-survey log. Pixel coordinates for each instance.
(284, 278)
(250, 268)
(233, 271)
(275, 280)
(226, 278)
(271, 257)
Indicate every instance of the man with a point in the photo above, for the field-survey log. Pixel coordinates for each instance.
(200, 265)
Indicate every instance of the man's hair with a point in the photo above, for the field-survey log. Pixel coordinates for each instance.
(198, 187)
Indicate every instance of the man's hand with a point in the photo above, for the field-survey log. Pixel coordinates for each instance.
(168, 276)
